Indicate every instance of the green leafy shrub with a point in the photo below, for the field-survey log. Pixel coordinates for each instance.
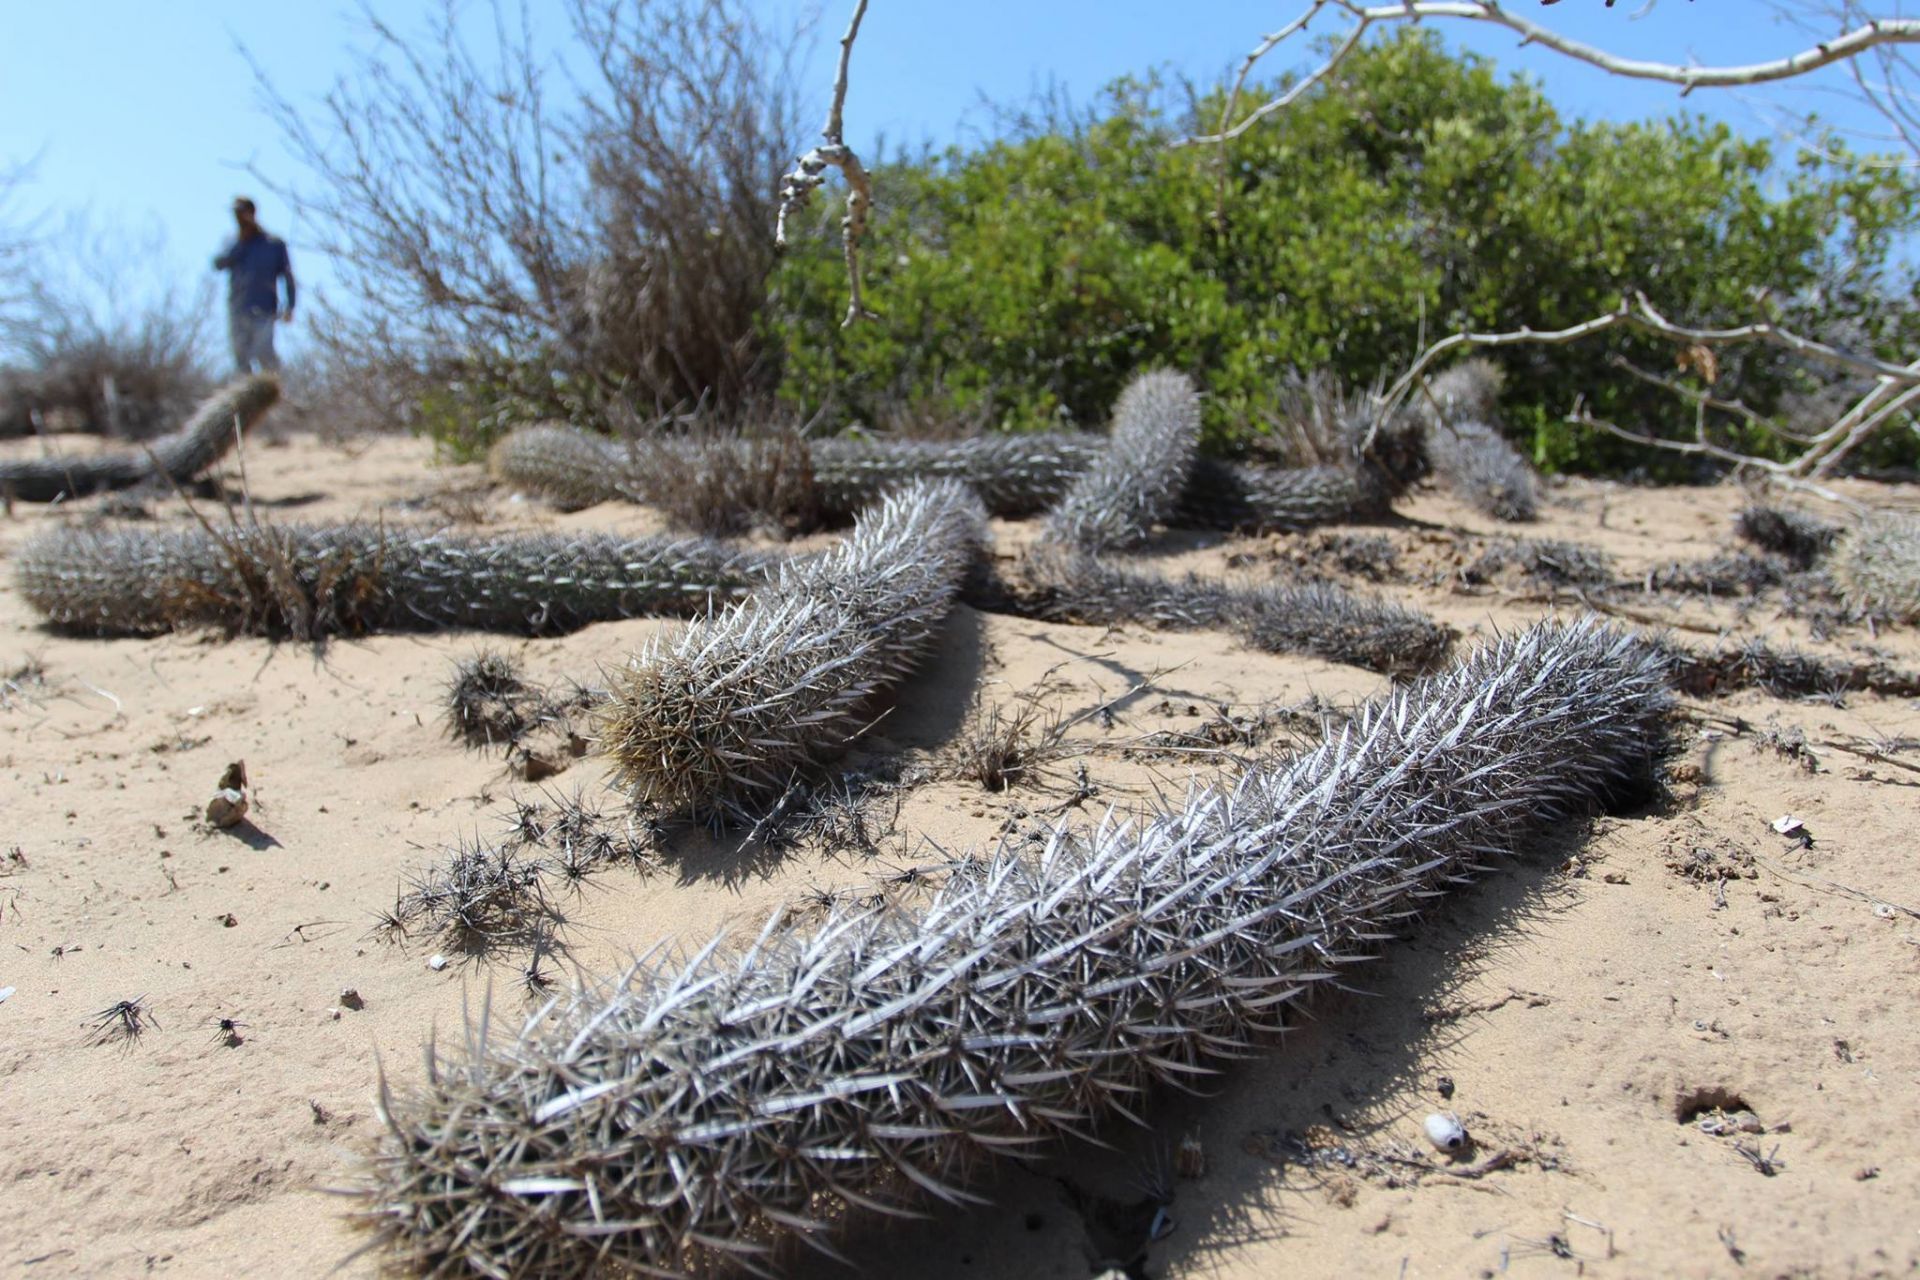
(1416, 191)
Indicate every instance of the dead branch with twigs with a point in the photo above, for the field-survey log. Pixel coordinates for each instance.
(810, 172)
(1880, 41)
(1895, 388)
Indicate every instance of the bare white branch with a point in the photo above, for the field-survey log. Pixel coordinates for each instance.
(1874, 33)
(811, 171)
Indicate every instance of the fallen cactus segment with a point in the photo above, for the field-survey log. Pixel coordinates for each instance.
(180, 456)
(316, 580)
(721, 715)
(704, 1109)
(1315, 618)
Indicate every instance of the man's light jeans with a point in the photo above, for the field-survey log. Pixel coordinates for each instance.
(252, 334)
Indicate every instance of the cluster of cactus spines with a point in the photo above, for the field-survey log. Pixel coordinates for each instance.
(1458, 410)
(1068, 585)
(1547, 560)
(488, 700)
(719, 717)
(179, 456)
(1736, 573)
(1878, 565)
(705, 1109)
(1783, 673)
(566, 465)
(1802, 538)
(309, 581)
(484, 894)
(1138, 480)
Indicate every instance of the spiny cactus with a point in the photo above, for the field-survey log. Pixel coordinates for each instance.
(1783, 673)
(1224, 495)
(571, 467)
(1800, 537)
(706, 483)
(1138, 480)
(319, 580)
(1321, 619)
(179, 456)
(1476, 462)
(1469, 391)
(1878, 565)
(721, 715)
(1466, 451)
(1316, 618)
(701, 1109)
(1014, 475)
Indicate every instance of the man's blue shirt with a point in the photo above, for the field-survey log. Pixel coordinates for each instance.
(254, 267)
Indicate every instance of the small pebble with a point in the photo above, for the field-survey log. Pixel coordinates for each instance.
(227, 807)
(350, 999)
(437, 963)
(1445, 1132)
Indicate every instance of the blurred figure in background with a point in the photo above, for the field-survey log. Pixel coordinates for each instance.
(255, 263)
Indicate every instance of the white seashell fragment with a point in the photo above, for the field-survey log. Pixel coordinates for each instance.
(1445, 1132)
(1786, 824)
(438, 963)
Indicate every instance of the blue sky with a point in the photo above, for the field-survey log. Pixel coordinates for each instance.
(149, 116)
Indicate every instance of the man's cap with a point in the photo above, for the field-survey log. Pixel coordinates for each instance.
(243, 202)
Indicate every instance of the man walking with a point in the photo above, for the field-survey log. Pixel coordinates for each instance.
(254, 263)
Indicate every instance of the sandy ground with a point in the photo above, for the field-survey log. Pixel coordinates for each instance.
(1585, 1008)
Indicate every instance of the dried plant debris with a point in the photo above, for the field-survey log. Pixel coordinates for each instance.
(720, 717)
(1878, 565)
(180, 456)
(1317, 618)
(1548, 561)
(1361, 555)
(1003, 746)
(1138, 481)
(1784, 673)
(24, 685)
(1333, 1157)
(855, 812)
(722, 485)
(308, 581)
(877, 1054)
(1803, 539)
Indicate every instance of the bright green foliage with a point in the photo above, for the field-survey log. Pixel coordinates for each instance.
(1037, 273)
